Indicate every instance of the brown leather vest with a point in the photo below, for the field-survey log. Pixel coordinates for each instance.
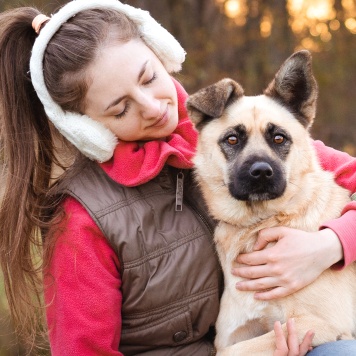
(171, 278)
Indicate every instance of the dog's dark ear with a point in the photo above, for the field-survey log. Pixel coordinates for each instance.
(210, 102)
(295, 87)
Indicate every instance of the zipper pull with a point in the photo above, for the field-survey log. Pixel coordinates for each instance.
(179, 191)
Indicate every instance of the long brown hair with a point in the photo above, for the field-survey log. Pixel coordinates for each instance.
(29, 144)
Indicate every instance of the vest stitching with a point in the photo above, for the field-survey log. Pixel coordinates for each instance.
(170, 316)
(128, 202)
(175, 305)
(173, 246)
(87, 208)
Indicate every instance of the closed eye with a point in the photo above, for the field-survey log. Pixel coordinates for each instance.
(123, 112)
(154, 77)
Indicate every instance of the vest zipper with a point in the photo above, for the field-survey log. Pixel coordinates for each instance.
(179, 191)
(212, 351)
(179, 201)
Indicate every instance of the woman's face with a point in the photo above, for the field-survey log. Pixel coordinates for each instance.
(131, 93)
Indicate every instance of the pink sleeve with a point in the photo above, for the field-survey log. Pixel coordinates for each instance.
(344, 168)
(82, 291)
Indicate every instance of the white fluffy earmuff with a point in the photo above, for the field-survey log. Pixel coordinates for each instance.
(92, 138)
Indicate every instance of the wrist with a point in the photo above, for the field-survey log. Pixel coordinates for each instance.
(334, 249)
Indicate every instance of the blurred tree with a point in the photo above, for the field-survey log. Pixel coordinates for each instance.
(46, 6)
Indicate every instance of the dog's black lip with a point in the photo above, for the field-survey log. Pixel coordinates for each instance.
(259, 194)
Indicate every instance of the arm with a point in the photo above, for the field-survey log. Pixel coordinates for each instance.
(278, 268)
(344, 168)
(82, 292)
(340, 163)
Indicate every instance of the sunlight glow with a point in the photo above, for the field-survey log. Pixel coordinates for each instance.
(266, 25)
(311, 21)
(232, 8)
(320, 10)
(350, 14)
(351, 25)
(236, 10)
(348, 5)
(334, 25)
(314, 18)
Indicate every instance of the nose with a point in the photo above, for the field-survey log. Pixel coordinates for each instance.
(150, 106)
(261, 170)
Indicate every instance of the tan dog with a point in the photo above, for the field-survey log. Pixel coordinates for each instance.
(257, 168)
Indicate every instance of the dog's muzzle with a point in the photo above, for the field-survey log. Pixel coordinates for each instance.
(257, 179)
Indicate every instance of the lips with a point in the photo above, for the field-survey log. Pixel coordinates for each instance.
(162, 120)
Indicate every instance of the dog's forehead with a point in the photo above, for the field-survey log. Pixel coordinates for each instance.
(257, 112)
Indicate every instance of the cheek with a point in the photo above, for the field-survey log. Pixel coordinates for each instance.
(166, 86)
(124, 129)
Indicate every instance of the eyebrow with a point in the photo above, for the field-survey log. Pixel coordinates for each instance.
(117, 101)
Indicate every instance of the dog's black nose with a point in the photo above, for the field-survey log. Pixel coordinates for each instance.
(261, 170)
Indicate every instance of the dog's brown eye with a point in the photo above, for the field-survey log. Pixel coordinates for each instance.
(278, 139)
(232, 140)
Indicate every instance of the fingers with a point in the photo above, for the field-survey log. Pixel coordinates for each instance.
(268, 288)
(253, 258)
(272, 234)
(306, 344)
(293, 343)
(257, 285)
(290, 346)
(281, 342)
(252, 272)
(275, 293)
(265, 288)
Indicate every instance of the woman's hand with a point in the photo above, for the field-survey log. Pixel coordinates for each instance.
(290, 346)
(296, 260)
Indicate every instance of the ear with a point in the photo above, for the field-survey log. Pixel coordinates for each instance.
(210, 102)
(295, 87)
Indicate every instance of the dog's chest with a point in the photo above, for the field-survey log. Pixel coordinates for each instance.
(242, 316)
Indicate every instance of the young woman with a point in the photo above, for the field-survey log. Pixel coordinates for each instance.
(97, 150)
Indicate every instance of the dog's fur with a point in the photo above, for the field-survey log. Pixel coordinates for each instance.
(257, 168)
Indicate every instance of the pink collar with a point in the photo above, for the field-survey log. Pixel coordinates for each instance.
(134, 164)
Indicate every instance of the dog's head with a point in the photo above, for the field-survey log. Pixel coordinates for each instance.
(253, 147)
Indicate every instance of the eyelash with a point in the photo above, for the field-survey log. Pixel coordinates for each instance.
(154, 77)
(127, 107)
(123, 113)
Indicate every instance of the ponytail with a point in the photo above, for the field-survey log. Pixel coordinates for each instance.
(27, 156)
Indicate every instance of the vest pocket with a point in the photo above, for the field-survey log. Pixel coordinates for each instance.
(167, 328)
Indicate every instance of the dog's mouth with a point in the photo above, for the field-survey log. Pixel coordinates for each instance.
(257, 180)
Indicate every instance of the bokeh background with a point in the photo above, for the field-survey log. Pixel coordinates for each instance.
(248, 40)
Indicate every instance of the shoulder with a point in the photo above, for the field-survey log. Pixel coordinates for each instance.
(79, 237)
